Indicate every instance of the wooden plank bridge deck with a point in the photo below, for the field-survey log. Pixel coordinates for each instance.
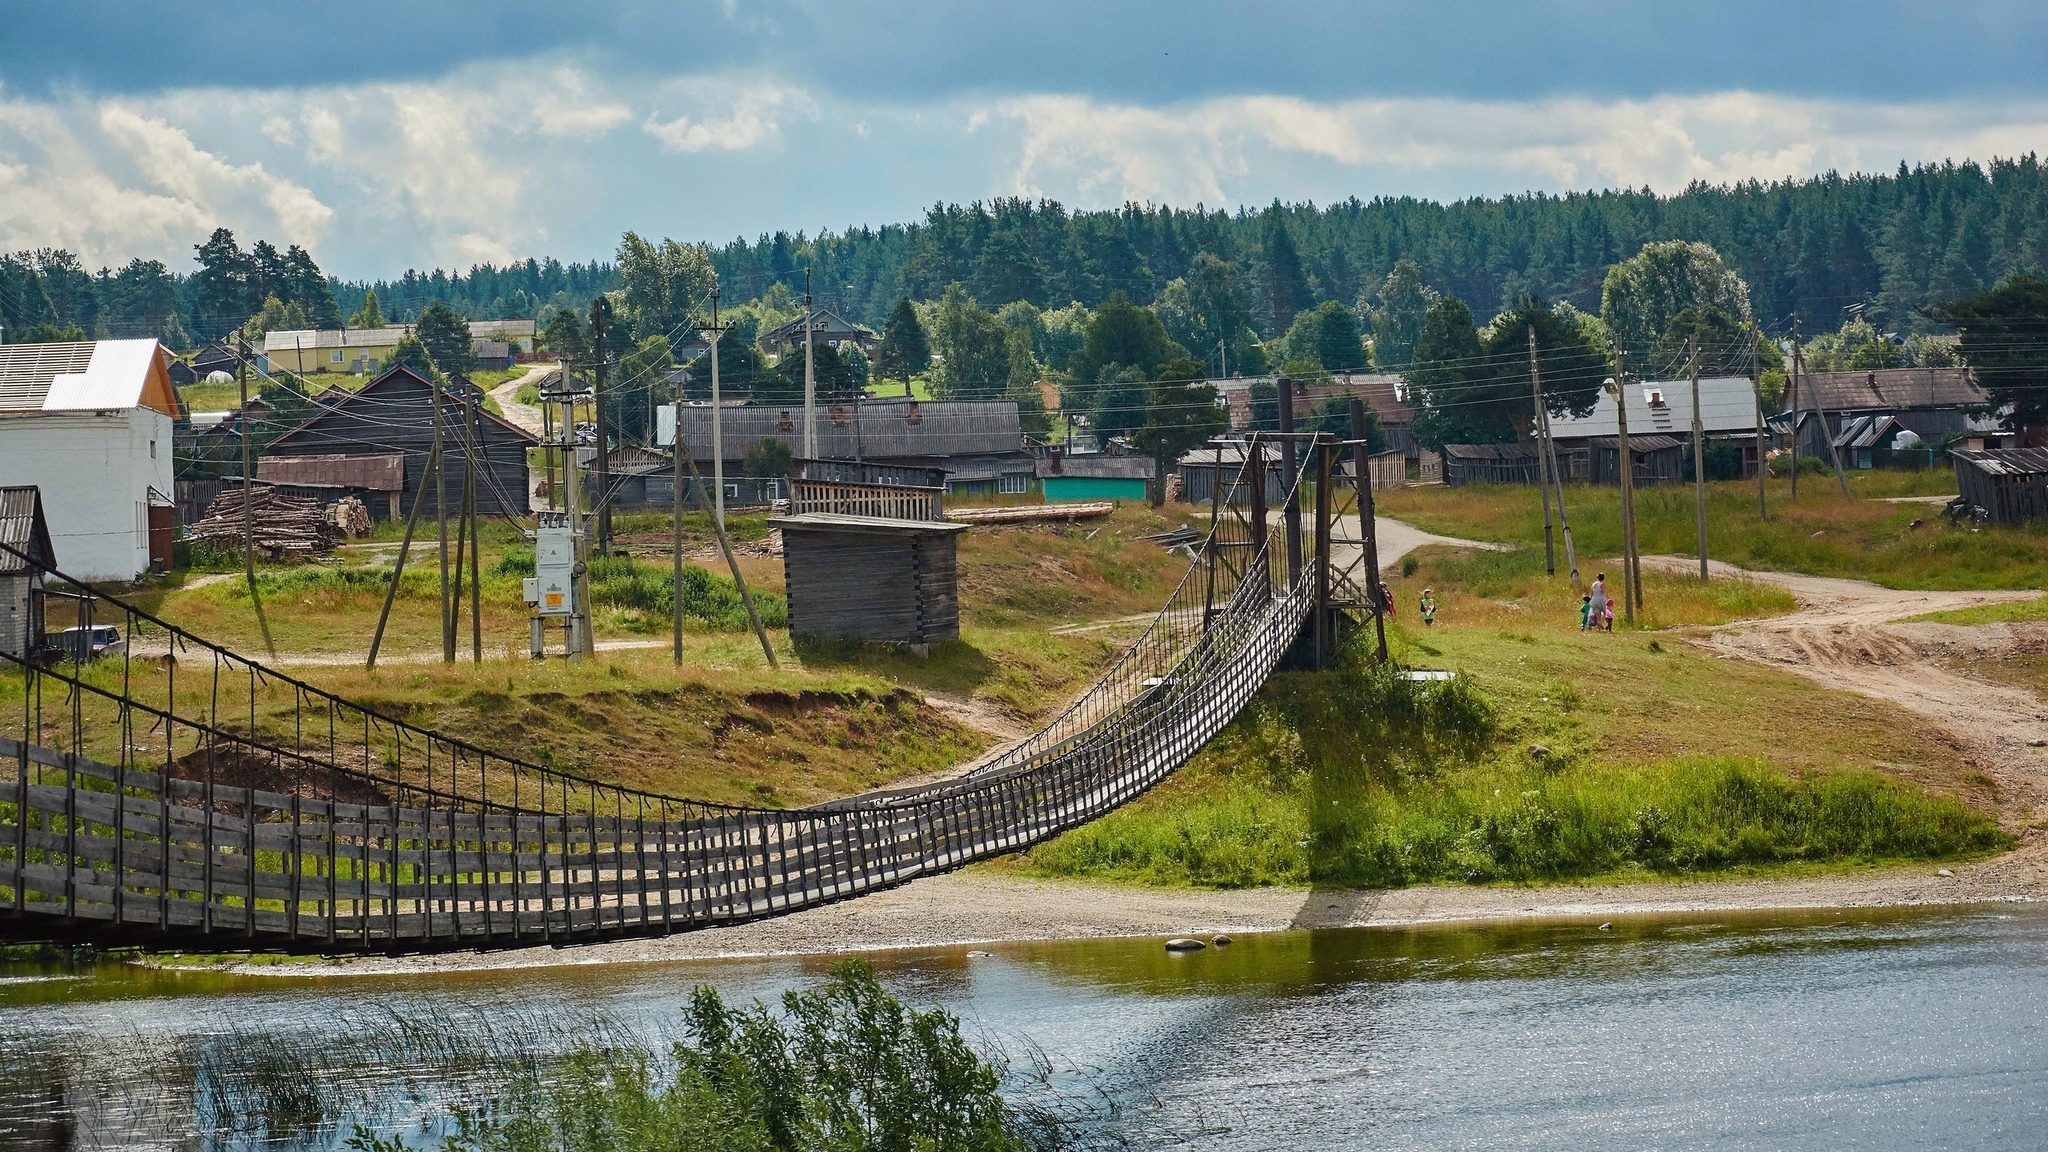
(328, 845)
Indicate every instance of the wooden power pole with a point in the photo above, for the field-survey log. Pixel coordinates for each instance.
(439, 458)
(1756, 383)
(1630, 576)
(597, 405)
(1543, 474)
(248, 494)
(1699, 450)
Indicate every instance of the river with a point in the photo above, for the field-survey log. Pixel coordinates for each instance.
(1843, 1030)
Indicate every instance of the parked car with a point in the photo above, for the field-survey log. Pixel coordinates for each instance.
(89, 642)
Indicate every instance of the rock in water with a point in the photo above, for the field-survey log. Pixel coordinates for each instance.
(1184, 944)
(1221, 941)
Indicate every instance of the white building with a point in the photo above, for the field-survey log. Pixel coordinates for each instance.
(90, 425)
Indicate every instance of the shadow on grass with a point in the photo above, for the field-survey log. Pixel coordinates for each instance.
(955, 666)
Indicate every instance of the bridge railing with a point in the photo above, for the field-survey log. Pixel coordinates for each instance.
(209, 794)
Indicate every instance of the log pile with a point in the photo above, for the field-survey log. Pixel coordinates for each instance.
(352, 518)
(282, 525)
(1022, 513)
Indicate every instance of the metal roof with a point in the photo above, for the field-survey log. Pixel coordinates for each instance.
(1499, 451)
(2004, 461)
(886, 429)
(1233, 452)
(1637, 442)
(384, 472)
(84, 376)
(839, 522)
(23, 528)
(1892, 388)
(1097, 467)
(1727, 404)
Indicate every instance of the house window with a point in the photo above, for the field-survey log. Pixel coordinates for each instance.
(152, 449)
(1013, 484)
(339, 355)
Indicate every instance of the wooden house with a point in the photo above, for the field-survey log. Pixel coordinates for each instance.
(394, 414)
(1934, 403)
(871, 562)
(1728, 413)
(827, 327)
(1065, 479)
(91, 424)
(977, 444)
(1490, 464)
(2010, 484)
(23, 562)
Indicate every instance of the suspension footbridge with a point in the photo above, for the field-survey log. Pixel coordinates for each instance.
(183, 794)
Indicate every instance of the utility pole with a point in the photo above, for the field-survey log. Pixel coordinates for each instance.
(248, 475)
(579, 643)
(476, 540)
(810, 378)
(1222, 361)
(1756, 383)
(440, 459)
(1543, 473)
(1834, 453)
(1699, 450)
(1549, 446)
(1629, 576)
(717, 427)
(597, 404)
(1792, 405)
(1290, 517)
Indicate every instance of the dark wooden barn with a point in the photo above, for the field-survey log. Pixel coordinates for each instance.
(26, 534)
(1490, 464)
(394, 414)
(1658, 459)
(2010, 484)
(871, 562)
(1201, 466)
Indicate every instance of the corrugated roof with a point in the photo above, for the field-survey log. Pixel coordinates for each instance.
(888, 429)
(82, 376)
(839, 522)
(1640, 443)
(1727, 404)
(1098, 467)
(23, 528)
(1234, 455)
(2005, 461)
(1892, 388)
(384, 472)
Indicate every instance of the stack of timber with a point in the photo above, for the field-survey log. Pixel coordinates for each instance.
(352, 518)
(1022, 513)
(281, 525)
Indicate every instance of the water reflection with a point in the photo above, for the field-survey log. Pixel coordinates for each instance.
(1878, 1030)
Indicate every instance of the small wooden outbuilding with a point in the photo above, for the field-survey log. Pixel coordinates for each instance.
(27, 555)
(1658, 459)
(871, 562)
(1491, 464)
(2010, 484)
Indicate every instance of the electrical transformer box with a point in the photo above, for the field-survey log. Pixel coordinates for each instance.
(554, 571)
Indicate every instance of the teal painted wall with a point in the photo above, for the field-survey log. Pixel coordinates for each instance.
(1063, 489)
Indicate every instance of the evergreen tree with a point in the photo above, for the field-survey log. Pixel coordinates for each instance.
(445, 334)
(369, 316)
(1398, 312)
(220, 289)
(904, 351)
(1281, 282)
(1119, 335)
(2003, 335)
(412, 353)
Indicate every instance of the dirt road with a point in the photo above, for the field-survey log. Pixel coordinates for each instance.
(1846, 635)
(507, 395)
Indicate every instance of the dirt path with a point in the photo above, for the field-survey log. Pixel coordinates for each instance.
(507, 395)
(1846, 635)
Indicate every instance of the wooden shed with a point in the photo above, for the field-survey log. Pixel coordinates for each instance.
(1490, 464)
(871, 562)
(1200, 466)
(1658, 459)
(2011, 484)
(26, 533)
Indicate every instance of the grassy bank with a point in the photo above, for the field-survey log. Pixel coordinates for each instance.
(1556, 754)
(1870, 538)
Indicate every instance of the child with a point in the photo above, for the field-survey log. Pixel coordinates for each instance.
(1585, 611)
(1607, 616)
(1428, 607)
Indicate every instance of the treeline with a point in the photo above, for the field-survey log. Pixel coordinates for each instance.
(1896, 242)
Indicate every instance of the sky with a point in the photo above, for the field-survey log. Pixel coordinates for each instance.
(384, 135)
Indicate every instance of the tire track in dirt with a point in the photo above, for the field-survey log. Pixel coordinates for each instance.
(1847, 635)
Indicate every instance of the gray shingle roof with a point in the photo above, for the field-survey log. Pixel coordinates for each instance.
(888, 429)
(1892, 388)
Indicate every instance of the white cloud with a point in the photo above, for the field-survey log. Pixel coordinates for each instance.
(111, 181)
(751, 119)
(1212, 150)
(569, 108)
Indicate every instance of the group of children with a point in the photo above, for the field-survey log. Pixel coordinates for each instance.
(1596, 611)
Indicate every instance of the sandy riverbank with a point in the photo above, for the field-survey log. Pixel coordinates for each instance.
(980, 907)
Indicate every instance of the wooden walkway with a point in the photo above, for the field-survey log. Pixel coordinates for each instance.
(244, 808)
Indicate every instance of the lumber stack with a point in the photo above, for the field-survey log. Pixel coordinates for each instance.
(1023, 513)
(281, 525)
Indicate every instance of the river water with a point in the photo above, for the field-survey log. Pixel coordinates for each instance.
(1869, 1030)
